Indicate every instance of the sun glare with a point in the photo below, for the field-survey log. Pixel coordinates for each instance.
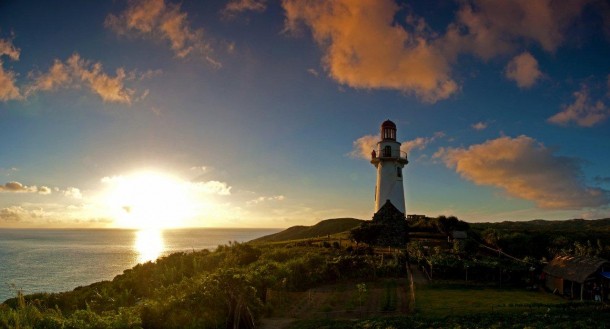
(149, 245)
(149, 200)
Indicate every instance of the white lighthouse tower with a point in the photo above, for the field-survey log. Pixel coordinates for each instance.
(389, 161)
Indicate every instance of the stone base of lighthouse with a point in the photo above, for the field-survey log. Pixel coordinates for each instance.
(392, 226)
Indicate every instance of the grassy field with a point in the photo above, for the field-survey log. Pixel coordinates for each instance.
(442, 299)
(343, 300)
(456, 305)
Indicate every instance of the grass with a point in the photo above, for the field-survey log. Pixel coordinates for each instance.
(443, 299)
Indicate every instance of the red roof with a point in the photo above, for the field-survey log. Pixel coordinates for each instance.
(388, 124)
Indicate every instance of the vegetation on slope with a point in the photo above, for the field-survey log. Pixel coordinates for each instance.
(226, 288)
(230, 287)
(539, 239)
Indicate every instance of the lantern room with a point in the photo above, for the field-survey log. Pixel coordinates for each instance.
(388, 130)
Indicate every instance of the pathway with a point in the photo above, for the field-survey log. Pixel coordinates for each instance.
(418, 276)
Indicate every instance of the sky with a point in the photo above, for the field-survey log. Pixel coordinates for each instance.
(261, 113)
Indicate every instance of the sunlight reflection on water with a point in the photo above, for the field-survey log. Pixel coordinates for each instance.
(149, 244)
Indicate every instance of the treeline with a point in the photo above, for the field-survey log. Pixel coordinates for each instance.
(540, 239)
(225, 288)
(502, 252)
(536, 239)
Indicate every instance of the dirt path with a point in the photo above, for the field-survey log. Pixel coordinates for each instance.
(418, 276)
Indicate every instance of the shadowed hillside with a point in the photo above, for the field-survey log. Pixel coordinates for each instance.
(323, 228)
(556, 226)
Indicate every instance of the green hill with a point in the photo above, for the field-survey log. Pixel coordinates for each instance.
(323, 228)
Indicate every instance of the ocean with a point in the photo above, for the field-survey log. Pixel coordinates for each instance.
(54, 260)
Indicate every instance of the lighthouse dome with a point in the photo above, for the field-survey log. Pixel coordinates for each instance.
(388, 124)
(388, 130)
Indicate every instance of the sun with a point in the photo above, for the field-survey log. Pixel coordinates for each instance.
(149, 200)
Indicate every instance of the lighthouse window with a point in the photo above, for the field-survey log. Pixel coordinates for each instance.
(399, 172)
(387, 151)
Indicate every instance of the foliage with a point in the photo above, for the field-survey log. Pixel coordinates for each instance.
(546, 239)
(226, 288)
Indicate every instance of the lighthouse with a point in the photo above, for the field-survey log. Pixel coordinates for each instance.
(389, 161)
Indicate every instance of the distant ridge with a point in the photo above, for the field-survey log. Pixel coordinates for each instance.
(323, 228)
(570, 225)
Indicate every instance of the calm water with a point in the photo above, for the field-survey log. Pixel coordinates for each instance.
(60, 260)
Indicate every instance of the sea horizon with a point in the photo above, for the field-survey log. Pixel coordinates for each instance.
(38, 260)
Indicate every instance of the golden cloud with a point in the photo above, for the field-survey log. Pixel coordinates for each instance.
(8, 87)
(365, 49)
(363, 146)
(238, 6)
(489, 28)
(8, 49)
(525, 169)
(418, 143)
(523, 69)
(163, 21)
(584, 111)
(57, 76)
(16, 187)
(76, 71)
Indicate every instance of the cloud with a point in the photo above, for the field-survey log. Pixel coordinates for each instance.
(523, 69)
(364, 48)
(13, 187)
(72, 192)
(8, 87)
(16, 187)
(313, 72)
(76, 72)
(418, 143)
(12, 214)
(56, 77)
(363, 146)
(200, 169)
(265, 198)
(8, 49)
(162, 21)
(525, 169)
(491, 28)
(212, 187)
(367, 46)
(584, 111)
(237, 6)
(479, 126)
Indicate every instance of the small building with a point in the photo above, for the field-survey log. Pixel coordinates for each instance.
(459, 235)
(569, 275)
(416, 217)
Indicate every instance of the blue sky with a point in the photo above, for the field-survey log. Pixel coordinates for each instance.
(261, 113)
